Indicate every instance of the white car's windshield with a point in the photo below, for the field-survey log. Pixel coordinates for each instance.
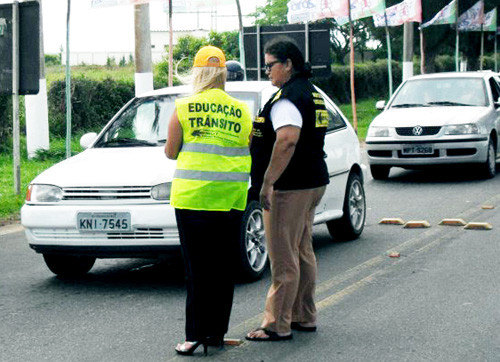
(441, 92)
(145, 121)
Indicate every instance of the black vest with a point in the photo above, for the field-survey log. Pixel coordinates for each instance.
(307, 168)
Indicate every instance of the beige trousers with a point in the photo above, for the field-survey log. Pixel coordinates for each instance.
(288, 227)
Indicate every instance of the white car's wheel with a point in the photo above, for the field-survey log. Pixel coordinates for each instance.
(351, 225)
(253, 251)
(68, 265)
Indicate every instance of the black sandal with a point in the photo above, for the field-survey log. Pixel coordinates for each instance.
(299, 327)
(271, 336)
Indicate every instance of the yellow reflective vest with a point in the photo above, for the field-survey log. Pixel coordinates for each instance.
(213, 165)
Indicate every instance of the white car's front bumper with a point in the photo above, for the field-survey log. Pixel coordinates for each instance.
(153, 229)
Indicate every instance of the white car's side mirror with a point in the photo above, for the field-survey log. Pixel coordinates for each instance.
(380, 105)
(87, 139)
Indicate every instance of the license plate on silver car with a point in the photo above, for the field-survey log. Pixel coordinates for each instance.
(103, 221)
(417, 150)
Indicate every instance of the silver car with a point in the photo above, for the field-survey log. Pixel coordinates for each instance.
(437, 119)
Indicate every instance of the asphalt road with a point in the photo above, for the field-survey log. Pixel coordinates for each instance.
(437, 302)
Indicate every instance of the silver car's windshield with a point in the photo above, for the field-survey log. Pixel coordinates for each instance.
(441, 92)
(145, 121)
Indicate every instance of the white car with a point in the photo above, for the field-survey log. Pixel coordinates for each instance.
(437, 119)
(112, 200)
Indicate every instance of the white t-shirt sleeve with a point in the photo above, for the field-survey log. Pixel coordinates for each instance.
(285, 113)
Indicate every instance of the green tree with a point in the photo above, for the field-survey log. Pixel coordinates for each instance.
(273, 13)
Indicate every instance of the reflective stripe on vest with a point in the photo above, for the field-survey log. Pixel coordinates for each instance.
(215, 150)
(212, 176)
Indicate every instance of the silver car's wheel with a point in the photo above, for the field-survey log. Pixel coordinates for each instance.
(489, 167)
(253, 251)
(351, 225)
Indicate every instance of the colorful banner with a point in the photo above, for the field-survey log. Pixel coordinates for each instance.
(408, 10)
(472, 18)
(447, 15)
(362, 9)
(300, 11)
(490, 22)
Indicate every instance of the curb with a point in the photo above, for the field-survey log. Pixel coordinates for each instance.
(11, 229)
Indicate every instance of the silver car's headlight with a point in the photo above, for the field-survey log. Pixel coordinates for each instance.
(459, 129)
(378, 132)
(161, 191)
(44, 193)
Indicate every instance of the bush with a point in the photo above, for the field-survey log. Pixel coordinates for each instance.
(93, 103)
(52, 59)
(370, 80)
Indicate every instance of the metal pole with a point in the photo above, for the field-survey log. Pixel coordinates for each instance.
(242, 41)
(457, 42)
(389, 55)
(258, 52)
(495, 51)
(15, 97)
(353, 93)
(481, 57)
(306, 26)
(170, 46)
(68, 86)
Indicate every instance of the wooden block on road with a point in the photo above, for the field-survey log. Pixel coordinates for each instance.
(453, 222)
(417, 224)
(478, 226)
(391, 221)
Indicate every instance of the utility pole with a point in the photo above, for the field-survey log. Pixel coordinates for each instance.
(68, 85)
(407, 50)
(242, 41)
(15, 97)
(170, 46)
(143, 67)
(37, 117)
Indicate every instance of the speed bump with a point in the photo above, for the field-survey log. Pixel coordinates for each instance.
(232, 341)
(453, 222)
(478, 226)
(392, 221)
(487, 207)
(417, 224)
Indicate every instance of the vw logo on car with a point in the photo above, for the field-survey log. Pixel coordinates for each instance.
(417, 130)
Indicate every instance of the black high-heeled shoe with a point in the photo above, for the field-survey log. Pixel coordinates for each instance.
(215, 341)
(194, 346)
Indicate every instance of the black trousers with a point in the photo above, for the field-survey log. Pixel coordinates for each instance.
(209, 241)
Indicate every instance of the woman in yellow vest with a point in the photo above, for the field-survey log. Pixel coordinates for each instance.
(209, 135)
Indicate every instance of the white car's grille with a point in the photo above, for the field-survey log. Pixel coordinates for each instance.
(106, 193)
(73, 234)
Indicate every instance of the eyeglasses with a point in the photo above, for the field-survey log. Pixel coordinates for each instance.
(268, 66)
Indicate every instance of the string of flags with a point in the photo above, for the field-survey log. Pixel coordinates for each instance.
(473, 19)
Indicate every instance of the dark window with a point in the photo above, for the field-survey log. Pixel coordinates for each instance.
(495, 90)
(335, 120)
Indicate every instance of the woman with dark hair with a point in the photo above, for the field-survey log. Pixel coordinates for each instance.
(289, 176)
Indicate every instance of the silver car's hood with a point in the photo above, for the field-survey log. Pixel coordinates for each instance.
(138, 166)
(428, 116)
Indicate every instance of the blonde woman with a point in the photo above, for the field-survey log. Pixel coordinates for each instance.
(209, 134)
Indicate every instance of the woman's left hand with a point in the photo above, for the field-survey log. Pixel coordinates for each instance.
(266, 194)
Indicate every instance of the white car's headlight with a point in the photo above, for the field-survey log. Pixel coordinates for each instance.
(161, 191)
(458, 129)
(378, 132)
(44, 193)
